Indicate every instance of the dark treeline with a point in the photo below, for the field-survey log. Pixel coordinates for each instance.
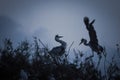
(39, 65)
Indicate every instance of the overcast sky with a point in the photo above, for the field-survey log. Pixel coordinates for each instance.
(23, 19)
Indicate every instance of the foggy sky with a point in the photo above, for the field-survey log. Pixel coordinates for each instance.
(23, 19)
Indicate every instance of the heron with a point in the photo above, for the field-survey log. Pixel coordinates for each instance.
(93, 43)
(96, 48)
(58, 50)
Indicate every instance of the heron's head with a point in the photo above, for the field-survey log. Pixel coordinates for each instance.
(57, 36)
(83, 41)
(86, 20)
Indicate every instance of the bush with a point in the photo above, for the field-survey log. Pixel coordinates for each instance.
(39, 65)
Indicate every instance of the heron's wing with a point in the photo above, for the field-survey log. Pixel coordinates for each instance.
(93, 35)
(59, 50)
(92, 22)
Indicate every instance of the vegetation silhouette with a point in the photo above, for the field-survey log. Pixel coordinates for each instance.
(40, 66)
(30, 61)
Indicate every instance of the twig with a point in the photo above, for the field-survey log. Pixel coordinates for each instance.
(42, 44)
(70, 48)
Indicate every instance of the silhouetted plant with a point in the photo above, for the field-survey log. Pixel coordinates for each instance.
(39, 65)
(113, 71)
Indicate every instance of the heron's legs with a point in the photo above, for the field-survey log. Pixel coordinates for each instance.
(100, 56)
(92, 54)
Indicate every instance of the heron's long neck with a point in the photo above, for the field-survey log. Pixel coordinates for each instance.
(85, 43)
(63, 44)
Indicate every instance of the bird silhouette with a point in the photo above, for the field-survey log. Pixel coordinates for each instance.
(91, 31)
(59, 50)
(93, 43)
(96, 48)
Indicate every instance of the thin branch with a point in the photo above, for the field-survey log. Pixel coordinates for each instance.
(70, 48)
(42, 44)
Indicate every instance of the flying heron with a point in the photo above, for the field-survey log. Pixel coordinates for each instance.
(93, 43)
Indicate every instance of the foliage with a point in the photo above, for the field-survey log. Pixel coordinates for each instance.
(41, 66)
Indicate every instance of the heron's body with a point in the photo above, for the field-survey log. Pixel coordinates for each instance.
(59, 50)
(93, 43)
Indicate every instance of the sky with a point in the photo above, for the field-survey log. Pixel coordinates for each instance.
(23, 19)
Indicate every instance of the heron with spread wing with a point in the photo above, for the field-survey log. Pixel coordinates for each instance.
(93, 43)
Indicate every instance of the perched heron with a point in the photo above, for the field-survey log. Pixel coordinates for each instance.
(59, 50)
(93, 43)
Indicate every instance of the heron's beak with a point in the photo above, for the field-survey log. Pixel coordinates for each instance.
(80, 43)
(60, 36)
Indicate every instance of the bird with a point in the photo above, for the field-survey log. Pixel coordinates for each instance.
(93, 43)
(91, 31)
(96, 48)
(58, 50)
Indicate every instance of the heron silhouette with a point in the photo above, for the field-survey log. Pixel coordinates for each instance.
(58, 50)
(93, 43)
